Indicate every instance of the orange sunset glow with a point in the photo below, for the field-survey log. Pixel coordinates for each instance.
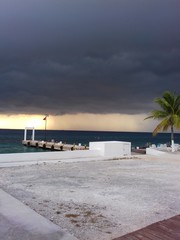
(101, 122)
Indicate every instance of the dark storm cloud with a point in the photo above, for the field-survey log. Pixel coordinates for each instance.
(87, 56)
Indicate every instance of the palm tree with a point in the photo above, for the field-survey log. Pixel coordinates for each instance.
(169, 115)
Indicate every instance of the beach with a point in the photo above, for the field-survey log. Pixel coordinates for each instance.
(101, 199)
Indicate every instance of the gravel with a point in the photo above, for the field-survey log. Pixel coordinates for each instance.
(99, 200)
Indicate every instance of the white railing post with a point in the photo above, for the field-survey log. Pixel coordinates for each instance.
(25, 134)
(33, 133)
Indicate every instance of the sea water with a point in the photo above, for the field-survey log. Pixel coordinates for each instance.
(11, 140)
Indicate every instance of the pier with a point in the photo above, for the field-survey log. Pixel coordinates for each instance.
(53, 146)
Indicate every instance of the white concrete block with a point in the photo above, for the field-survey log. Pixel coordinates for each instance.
(111, 148)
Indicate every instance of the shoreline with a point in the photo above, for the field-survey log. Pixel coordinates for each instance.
(101, 199)
(10, 140)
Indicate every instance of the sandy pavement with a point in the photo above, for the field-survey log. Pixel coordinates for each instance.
(99, 199)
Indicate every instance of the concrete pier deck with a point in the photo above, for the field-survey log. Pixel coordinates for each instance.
(53, 146)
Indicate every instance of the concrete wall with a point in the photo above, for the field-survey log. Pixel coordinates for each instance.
(154, 152)
(97, 151)
(111, 148)
(48, 155)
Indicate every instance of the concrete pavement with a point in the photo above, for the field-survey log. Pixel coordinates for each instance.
(95, 199)
(19, 222)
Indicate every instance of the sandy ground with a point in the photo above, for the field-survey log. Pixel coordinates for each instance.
(102, 199)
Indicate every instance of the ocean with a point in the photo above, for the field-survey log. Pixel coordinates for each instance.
(11, 140)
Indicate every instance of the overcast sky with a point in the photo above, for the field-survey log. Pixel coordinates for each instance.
(87, 56)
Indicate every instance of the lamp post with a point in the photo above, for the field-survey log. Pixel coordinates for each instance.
(45, 119)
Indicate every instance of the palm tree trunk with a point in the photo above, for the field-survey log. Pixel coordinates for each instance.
(172, 138)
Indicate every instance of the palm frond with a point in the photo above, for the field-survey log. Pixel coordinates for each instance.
(163, 104)
(157, 114)
(163, 124)
(149, 117)
(176, 121)
(177, 104)
(170, 98)
(169, 114)
(178, 112)
(166, 125)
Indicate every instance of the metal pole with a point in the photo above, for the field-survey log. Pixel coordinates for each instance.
(45, 128)
(45, 119)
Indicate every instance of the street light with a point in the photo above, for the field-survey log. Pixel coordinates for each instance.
(45, 119)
